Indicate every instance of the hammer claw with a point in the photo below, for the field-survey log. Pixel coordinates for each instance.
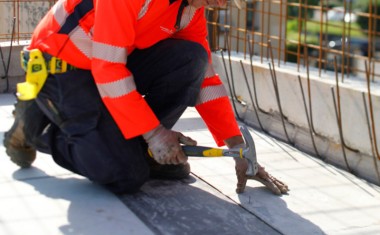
(249, 152)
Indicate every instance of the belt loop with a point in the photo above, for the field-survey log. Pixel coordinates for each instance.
(52, 65)
(63, 66)
(23, 61)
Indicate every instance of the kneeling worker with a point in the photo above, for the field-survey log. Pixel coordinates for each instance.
(110, 79)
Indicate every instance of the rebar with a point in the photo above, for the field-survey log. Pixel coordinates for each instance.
(251, 97)
(371, 111)
(9, 57)
(277, 93)
(370, 138)
(340, 132)
(339, 116)
(254, 82)
(229, 86)
(308, 119)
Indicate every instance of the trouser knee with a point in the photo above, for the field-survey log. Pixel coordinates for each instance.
(193, 63)
(171, 71)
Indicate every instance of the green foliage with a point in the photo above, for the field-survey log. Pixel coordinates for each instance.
(362, 5)
(314, 28)
(363, 21)
(294, 10)
(310, 32)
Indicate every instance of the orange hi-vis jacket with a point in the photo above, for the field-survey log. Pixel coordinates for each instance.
(99, 35)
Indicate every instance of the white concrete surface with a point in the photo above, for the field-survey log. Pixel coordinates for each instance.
(47, 199)
(322, 200)
(353, 116)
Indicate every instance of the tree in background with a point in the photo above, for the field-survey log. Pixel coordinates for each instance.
(371, 7)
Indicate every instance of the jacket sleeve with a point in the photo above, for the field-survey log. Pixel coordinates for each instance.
(113, 37)
(213, 103)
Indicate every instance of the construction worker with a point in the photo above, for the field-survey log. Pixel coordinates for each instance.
(119, 74)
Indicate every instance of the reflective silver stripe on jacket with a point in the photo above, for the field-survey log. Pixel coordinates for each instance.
(82, 40)
(210, 72)
(109, 53)
(211, 93)
(117, 88)
(187, 16)
(144, 9)
(60, 13)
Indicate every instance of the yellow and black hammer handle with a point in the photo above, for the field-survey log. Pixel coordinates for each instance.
(249, 152)
(201, 151)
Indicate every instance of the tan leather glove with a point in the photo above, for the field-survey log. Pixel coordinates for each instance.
(273, 184)
(165, 145)
(241, 166)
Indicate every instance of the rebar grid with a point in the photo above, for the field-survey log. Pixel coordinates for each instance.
(252, 24)
(314, 41)
(264, 28)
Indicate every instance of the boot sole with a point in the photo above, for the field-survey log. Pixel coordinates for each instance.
(21, 157)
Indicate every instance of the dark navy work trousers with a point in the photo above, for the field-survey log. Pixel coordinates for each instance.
(81, 135)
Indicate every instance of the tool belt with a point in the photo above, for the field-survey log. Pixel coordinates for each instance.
(38, 66)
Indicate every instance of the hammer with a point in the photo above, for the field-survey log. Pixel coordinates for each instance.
(249, 152)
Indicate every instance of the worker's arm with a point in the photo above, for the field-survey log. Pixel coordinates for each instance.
(213, 103)
(114, 37)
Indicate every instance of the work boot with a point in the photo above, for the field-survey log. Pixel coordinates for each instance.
(17, 148)
(170, 172)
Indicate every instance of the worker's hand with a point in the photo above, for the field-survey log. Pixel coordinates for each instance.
(165, 145)
(273, 184)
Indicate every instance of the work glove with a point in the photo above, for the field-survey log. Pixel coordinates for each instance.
(165, 145)
(273, 184)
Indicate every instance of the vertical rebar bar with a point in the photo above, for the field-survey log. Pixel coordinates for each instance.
(340, 131)
(370, 138)
(229, 87)
(309, 93)
(339, 112)
(344, 41)
(280, 37)
(320, 40)
(308, 119)
(371, 110)
(299, 35)
(251, 97)
(262, 32)
(276, 91)
(254, 82)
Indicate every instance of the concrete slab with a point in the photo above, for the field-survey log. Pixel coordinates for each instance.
(192, 206)
(322, 200)
(47, 199)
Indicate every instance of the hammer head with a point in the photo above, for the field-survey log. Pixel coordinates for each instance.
(249, 152)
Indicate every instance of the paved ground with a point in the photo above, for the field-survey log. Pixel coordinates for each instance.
(47, 199)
